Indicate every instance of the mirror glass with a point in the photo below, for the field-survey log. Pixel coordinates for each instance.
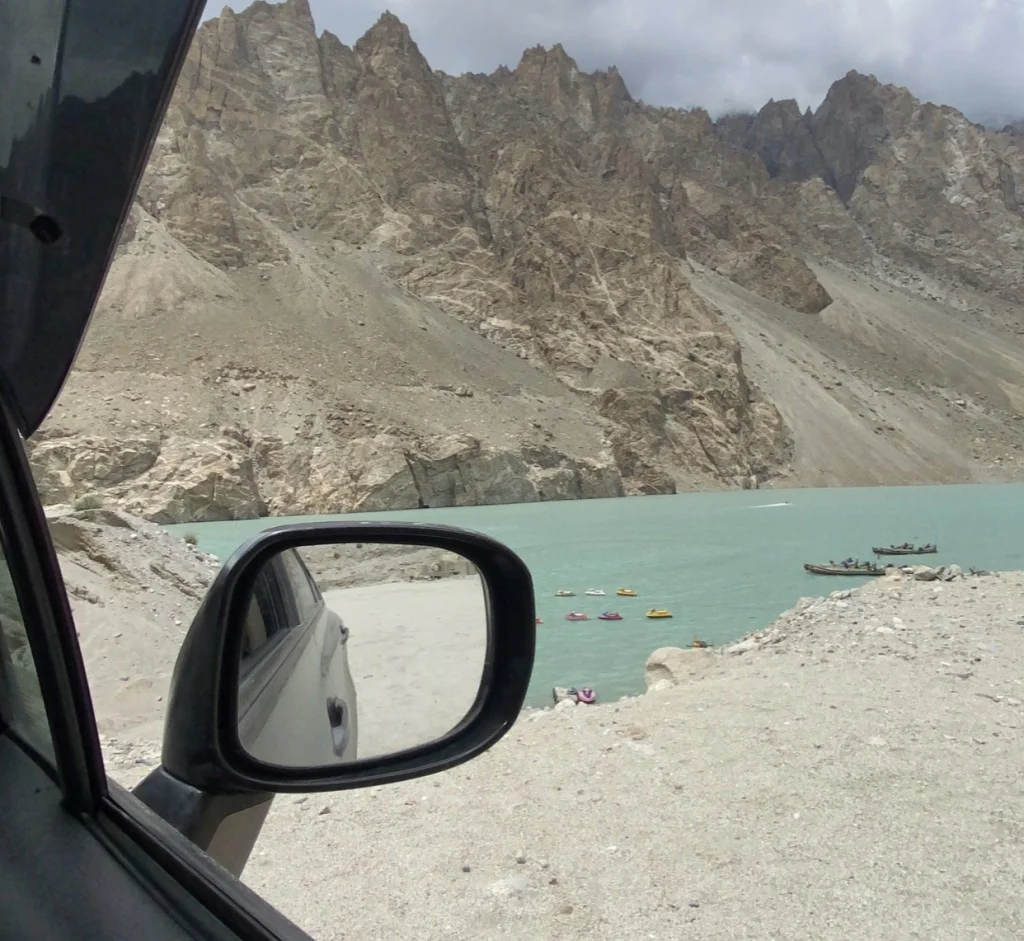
(359, 650)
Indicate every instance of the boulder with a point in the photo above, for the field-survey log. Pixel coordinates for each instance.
(675, 665)
(67, 467)
(175, 480)
(197, 482)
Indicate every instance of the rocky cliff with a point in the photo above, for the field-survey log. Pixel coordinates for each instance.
(929, 189)
(354, 282)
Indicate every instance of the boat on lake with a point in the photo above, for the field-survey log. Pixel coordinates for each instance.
(626, 593)
(609, 616)
(659, 613)
(906, 549)
(576, 616)
(860, 568)
(594, 592)
(563, 593)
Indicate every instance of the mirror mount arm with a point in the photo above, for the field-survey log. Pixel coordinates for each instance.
(201, 817)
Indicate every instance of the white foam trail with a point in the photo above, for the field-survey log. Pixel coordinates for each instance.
(762, 506)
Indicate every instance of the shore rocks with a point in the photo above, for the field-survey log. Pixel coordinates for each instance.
(670, 666)
(928, 573)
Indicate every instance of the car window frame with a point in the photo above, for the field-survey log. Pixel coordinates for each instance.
(318, 595)
(10, 695)
(208, 900)
(32, 561)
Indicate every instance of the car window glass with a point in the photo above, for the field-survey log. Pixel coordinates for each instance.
(270, 612)
(305, 595)
(21, 699)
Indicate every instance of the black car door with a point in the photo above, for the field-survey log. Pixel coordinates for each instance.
(80, 858)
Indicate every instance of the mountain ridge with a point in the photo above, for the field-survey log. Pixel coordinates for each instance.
(659, 296)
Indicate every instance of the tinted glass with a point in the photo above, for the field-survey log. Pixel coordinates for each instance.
(21, 700)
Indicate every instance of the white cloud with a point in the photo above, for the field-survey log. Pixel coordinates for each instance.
(726, 54)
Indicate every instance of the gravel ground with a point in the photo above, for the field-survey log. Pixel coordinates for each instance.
(134, 590)
(857, 774)
(853, 772)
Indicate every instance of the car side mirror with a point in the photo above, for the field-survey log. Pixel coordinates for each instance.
(298, 673)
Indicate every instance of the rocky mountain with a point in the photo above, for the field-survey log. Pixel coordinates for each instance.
(354, 282)
(931, 190)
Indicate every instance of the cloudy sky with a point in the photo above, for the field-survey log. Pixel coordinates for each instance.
(729, 54)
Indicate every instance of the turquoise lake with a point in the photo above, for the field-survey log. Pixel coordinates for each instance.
(723, 563)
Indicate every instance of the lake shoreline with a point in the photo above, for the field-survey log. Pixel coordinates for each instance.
(723, 563)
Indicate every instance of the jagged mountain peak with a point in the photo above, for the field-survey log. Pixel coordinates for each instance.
(555, 55)
(389, 30)
(390, 39)
(859, 90)
(611, 82)
(781, 105)
(284, 10)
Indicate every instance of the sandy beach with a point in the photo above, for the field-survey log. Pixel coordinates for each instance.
(416, 652)
(852, 772)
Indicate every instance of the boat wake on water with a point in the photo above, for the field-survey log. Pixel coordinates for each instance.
(764, 506)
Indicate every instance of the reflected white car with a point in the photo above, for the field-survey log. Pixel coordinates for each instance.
(297, 700)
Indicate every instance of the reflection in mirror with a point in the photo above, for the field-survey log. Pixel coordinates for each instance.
(359, 650)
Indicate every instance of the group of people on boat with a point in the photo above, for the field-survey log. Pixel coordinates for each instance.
(850, 563)
(908, 548)
(850, 566)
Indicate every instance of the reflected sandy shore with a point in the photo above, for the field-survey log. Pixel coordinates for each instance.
(416, 651)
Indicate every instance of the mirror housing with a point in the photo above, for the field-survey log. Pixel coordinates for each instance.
(201, 746)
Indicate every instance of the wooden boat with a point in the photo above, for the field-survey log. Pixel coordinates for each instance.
(864, 569)
(929, 549)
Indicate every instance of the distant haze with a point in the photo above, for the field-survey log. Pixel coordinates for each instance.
(730, 55)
